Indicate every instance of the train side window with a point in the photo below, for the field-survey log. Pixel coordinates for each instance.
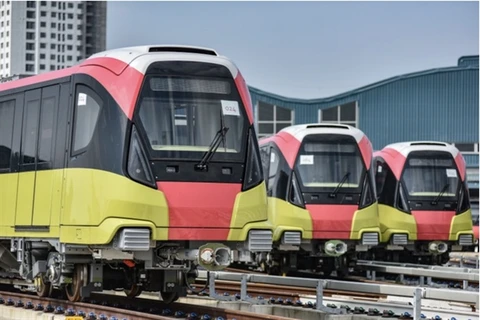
(265, 156)
(380, 175)
(30, 131)
(272, 172)
(87, 111)
(386, 184)
(7, 112)
(47, 115)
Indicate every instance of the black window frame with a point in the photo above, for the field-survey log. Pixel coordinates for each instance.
(3, 100)
(90, 92)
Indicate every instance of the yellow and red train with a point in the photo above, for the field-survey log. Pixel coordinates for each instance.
(321, 197)
(129, 170)
(423, 202)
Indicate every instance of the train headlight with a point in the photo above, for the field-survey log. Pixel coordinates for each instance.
(437, 247)
(335, 248)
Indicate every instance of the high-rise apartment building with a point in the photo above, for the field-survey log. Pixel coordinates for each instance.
(40, 36)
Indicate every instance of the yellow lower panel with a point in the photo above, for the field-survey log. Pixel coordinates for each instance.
(91, 196)
(8, 199)
(250, 206)
(461, 224)
(395, 221)
(365, 220)
(25, 195)
(104, 233)
(287, 217)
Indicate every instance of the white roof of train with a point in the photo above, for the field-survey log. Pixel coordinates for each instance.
(301, 130)
(405, 148)
(140, 57)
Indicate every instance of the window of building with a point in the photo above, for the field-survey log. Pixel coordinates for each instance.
(43, 45)
(70, 5)
(87, 110)
(43, 24)
(30, 25)
(42, 55)
(53, 14)
(43, 3)
(53, 25)
(70, 16)
(343, 114)
(31, 14)
(52, 67)
(7, 112)
(467, 147)
(30, 36)
(53, 35)
(70, 26)
(70, 37)
(272, 119)
(29, 57)
(30, 4)
(52, 57)
(29, 68)
(43, 13)
(43, 35)
(30, 46)
(54, 4)
(42, 67)
(69, 58)
(69, 47)
(52, 46)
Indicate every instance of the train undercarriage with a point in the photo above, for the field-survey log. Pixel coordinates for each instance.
(48, 266)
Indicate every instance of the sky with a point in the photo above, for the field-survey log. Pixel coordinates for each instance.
(307, 49)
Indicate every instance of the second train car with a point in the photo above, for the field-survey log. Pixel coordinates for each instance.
(424, 206)
(321, 197)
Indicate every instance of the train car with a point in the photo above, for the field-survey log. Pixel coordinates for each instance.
(424, 206)
(321, 197)
(475, 223)
(129, 170)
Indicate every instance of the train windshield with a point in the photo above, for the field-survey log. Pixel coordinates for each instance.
(182, 116)
(330, 161)
(431, 177)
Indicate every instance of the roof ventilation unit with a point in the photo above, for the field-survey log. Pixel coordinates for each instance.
(428, 144)
(209, 52)
(331, 126)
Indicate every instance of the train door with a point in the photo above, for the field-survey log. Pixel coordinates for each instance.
(35, 189)
(47, 180)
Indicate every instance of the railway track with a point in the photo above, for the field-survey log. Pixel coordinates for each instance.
(106, 306)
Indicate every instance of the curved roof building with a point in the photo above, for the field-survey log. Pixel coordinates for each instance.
(439, 104)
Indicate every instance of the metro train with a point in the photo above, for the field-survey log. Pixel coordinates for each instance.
(129, 170)
(423, 202)
(321, 197)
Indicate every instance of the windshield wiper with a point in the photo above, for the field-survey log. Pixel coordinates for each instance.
(445, 187)
(334, 193)
(219, 137)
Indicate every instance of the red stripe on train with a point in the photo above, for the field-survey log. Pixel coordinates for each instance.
(331, 221)
(433, 225)
(195, 207)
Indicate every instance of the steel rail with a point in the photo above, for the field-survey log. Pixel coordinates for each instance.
(449, 273)
(461, 296)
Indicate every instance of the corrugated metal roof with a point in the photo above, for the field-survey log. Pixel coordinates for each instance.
(437, 104)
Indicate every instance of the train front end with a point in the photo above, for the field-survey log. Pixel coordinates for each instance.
(424, 205)
(329, 196)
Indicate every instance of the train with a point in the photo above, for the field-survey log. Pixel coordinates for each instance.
(321, 198)
(423, 202)
(129, 171)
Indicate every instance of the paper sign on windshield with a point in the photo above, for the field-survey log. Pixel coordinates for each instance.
(82, 99)
(230, 108)
(451, 173)
(306, 159)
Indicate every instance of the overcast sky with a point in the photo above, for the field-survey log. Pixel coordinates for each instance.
(307, 49)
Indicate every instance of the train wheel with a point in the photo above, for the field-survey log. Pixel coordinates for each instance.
(73, 290)
(169, 297)
(44, 289)
(133, 292)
